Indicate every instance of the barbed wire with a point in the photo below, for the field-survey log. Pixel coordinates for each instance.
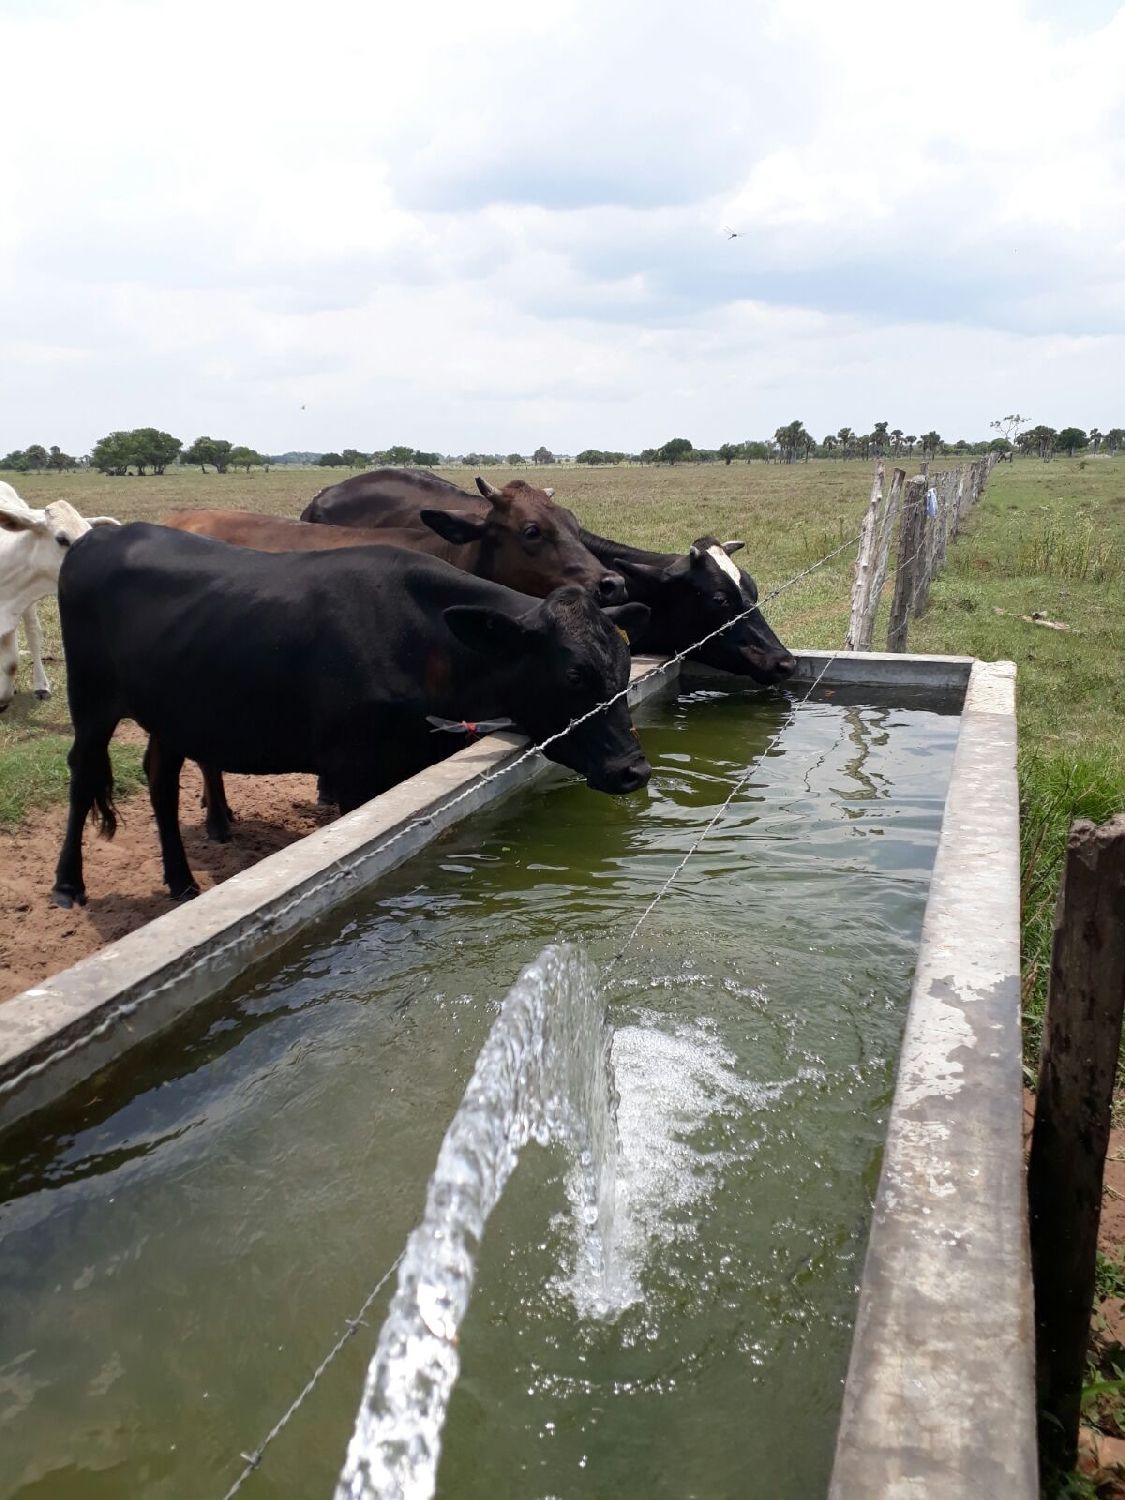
(719, 814)
(253, 1459)
(343, 871)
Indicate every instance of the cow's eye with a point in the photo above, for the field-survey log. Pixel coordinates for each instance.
(723, 602)
(531, 532)
(574, 676)
(62, 539)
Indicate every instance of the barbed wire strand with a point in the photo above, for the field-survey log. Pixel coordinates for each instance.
(348, 871)
(718, 815)
(253, 1460)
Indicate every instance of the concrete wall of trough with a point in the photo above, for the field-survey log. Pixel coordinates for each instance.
(939, 1400)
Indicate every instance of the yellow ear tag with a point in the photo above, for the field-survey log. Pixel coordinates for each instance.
(622, 634)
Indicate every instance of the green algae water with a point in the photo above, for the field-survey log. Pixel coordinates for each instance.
(182, 1242)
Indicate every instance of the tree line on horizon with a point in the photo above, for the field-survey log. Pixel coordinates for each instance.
(145, 450)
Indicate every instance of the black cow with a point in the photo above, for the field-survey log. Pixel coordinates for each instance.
(321, 662)
(689, 595)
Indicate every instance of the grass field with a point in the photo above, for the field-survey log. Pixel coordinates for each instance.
(1047, 537)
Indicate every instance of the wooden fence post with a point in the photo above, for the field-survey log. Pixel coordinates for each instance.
(1077, 1064)
(909, 561)
(865, 565)
(926, 563)
(890, 515)
(947, 493)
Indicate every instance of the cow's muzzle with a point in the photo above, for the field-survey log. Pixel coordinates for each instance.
(610, 589)
(621, 779)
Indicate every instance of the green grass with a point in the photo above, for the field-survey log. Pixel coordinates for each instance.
(1046, 537)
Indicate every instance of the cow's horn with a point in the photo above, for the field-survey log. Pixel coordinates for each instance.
(695, 554)
(489, 491)
(731, 547)
(550, 494)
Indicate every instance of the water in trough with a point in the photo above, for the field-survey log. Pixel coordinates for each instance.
(184, 1239)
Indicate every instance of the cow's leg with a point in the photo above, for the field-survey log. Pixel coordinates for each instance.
(9, 661)
(91, 785)
(40, 684)
(164, 767)
(219, 815)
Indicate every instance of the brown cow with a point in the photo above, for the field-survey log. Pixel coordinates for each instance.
(247, 528)
(521, 538)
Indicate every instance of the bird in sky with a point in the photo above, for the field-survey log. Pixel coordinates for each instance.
(731, 234)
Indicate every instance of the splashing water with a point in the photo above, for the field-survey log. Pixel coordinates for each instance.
(543, 1075)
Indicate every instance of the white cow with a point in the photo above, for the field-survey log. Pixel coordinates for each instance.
(32, 546)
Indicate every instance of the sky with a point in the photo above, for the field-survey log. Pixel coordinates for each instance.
(496, 225)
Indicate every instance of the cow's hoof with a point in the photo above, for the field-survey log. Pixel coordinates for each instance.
(68, 896)
(188, 893)
(219, 835)
(42, 694)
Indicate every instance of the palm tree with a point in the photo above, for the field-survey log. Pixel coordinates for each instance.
(931, 442)
(896, 440)
(792, 440)
(846, 437)
(829, 444)
(910, 439)
(1095, 439)
(879, 437)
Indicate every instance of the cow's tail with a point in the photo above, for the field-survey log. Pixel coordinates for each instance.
(99, 787)
(105, 811)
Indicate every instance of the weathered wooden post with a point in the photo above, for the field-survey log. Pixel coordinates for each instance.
(929, 546)
(947, 492)
(890, 515)
(909, 559)
(1077, 1063)
(959, 506)
(865, 565)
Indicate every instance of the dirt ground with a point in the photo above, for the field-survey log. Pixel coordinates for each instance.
(123, 876)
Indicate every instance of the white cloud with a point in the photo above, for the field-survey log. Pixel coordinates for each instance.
(497, 225)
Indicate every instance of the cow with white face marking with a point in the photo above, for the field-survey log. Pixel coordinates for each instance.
(690, 596)
(33, 544)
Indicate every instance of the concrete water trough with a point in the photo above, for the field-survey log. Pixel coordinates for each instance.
(939, 1392)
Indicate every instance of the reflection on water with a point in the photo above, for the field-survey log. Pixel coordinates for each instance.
(181, 1243)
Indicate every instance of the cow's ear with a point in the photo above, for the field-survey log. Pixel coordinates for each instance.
(453, 527)
(549, 492)
(14, 520)
(489, 631)
(731, 547)
(631, 618)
